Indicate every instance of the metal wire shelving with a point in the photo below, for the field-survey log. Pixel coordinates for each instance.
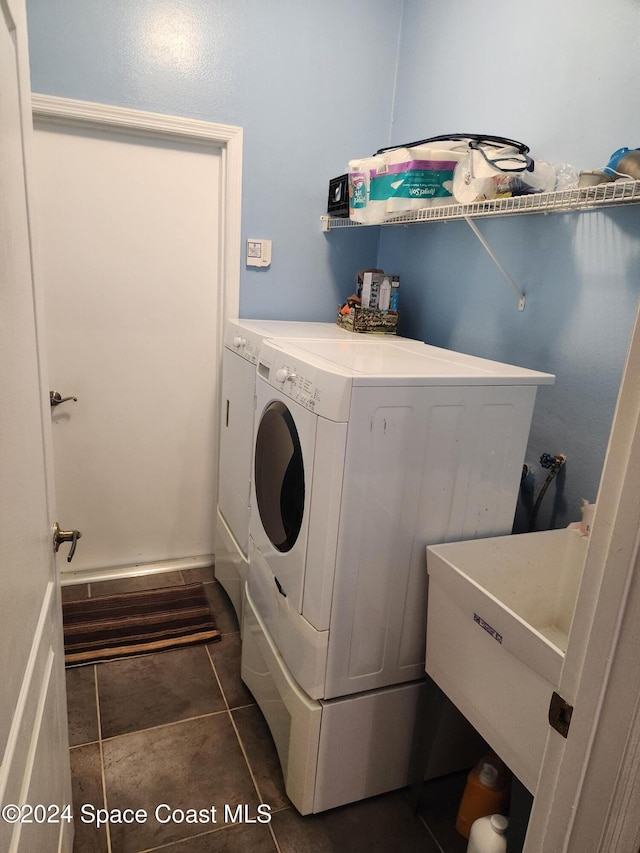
(612, 194)
(559, 201)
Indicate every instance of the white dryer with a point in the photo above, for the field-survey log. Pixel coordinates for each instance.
(242, 342)
(363, 455)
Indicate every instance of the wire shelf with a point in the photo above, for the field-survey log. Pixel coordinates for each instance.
(581, 198)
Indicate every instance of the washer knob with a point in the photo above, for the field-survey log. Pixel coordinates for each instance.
(238, 342)
(283, 375)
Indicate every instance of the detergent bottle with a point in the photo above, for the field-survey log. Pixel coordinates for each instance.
(488, 835)
(486, 793)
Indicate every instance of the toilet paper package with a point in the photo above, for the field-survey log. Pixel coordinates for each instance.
(412, 178)
(361, 207)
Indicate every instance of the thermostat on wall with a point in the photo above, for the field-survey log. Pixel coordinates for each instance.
(258, 253)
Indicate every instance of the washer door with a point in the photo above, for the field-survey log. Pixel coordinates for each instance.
(279, 476)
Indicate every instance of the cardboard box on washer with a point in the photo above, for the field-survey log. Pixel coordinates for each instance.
(369, 320)
(374, 308)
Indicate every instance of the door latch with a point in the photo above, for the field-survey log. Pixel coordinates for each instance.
(560, 712)
(55, 398)
(60, 536)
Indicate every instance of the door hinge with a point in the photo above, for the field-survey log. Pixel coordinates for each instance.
(560, 712)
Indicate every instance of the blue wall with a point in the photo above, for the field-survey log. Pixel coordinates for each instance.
(310, 84)
(563, 79)
(316, 84)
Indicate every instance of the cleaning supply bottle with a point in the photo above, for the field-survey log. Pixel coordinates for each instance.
(488, 835)
(486, 793)
(384, 297)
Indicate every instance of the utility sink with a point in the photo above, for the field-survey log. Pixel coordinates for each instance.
(498, 621)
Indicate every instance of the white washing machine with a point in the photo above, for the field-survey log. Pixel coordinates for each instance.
(242, 342)
(363, 455)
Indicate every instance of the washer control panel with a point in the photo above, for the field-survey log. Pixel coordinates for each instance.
(298, 387)
(315, 387)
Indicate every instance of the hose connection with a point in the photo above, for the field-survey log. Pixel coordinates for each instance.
(553, 464)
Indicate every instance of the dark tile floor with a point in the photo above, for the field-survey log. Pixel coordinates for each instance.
(180, 731)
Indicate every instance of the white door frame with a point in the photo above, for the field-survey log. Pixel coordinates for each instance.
(588, 796)
(48, 109)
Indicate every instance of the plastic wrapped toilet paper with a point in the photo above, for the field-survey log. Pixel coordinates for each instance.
(416, 177)
(360, 207)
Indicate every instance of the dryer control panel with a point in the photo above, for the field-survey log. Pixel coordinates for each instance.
(244, 345)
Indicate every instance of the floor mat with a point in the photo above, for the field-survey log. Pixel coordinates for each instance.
(109, 627)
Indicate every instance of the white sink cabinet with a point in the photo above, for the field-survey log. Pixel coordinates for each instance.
(498, 621)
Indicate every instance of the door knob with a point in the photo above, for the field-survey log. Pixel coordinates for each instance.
(55, 398)
(60, 536)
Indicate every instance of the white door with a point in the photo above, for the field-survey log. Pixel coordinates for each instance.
(588, 796)
(130, 228)
(33, 737)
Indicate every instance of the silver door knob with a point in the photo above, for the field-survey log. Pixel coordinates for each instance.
(60, 536)
(55, 398)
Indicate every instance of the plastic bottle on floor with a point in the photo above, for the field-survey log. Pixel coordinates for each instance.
(486, 793)
(488, 835)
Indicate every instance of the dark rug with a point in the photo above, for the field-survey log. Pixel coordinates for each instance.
(109, 627)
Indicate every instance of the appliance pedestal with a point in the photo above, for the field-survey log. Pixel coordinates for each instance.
(343, 750)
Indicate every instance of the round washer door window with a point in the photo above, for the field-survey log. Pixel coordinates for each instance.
(279, 476)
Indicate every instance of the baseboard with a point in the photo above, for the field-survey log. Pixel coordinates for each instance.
(71, 578)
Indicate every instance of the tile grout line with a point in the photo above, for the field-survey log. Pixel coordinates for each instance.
(241, 745)
(159, 726)
(174, 723)
(102, 773)
(186, 839)
(171, 723)
(218, 682)
(253, 778)
(227, 709)
(428, 828)
(103, 741)
(242, 748)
